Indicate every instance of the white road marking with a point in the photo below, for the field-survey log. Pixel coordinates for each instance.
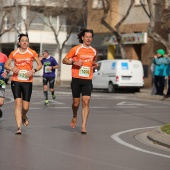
(124, 107)
(117, 139)
(131, 104)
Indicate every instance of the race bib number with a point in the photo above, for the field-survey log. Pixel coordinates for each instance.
(46, 69)
(84, 71)
(22, 75)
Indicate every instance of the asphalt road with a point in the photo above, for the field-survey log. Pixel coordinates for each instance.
(116, 134)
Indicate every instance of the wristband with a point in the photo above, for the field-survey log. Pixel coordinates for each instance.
(35, 70)
(72, 62)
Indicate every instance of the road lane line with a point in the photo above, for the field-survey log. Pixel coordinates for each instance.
(130, 104)
(120, 141)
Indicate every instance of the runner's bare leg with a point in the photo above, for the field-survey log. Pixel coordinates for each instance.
(75, 106)
(17, 112)
(85, 111)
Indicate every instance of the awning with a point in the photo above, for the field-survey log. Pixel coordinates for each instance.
(132, 38)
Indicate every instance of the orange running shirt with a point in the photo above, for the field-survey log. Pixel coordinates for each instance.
(24, 62)
(87, 55)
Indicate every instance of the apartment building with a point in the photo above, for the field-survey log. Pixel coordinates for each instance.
(134, 31)
(29, 16)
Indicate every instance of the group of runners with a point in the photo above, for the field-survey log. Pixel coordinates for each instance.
(83, 60)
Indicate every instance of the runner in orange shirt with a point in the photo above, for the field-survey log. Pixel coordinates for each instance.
(82, 58)
(21, 81)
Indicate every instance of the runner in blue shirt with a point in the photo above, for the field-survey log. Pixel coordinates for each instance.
(49, 65)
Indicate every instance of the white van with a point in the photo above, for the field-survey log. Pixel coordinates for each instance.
(118, 73)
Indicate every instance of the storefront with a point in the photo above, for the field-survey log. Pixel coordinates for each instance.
(133, 43)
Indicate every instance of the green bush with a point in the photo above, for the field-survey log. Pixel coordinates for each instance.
(166, 128)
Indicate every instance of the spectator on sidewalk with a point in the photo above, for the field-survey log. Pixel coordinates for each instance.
(159, 78)
(168, 90)
(167, 73)
(152, 69)
(162, 70)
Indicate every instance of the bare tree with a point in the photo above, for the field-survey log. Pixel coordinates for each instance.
(164, 22)
(6, 23)
(25, 14)
(22, 14)
(115, 30)
(74, 12)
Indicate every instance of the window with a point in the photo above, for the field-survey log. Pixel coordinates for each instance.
(97, 4)
(138, 2)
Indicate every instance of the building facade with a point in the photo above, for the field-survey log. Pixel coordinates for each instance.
(134, 31)
(29, 16)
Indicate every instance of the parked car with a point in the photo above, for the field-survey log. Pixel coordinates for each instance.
(118, 73)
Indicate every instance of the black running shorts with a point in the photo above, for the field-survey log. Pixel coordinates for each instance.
(51, 81)
(82, 86)
(22, 90)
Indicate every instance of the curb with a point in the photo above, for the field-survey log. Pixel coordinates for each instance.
(156, 135)
(159, 137)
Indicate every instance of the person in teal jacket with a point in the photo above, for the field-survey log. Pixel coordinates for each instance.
(166, 61)
(162, 68)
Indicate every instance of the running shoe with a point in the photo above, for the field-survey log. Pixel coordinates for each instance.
(53, 96)
(46, 102)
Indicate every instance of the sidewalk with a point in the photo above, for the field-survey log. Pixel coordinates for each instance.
(146, 94)
(156, 135)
